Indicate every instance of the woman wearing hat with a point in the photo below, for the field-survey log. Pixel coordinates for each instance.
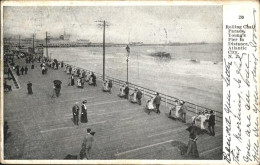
(72, 80)
(84, 115)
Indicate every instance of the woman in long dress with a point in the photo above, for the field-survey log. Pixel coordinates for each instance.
(72, 80)
(84, 116)
(29, 88)
(192, 151)
(90, 81)
(122, 91)
(110, 85)
(105, 86)
(87, 77)
(79, 82)
(203, 119)
(178, 110)
(94, 79)
(133, 97)
(57, 89)
(150, 105)
(196, 118)
(82, 80)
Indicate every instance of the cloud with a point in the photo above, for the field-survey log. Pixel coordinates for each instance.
(147, 24)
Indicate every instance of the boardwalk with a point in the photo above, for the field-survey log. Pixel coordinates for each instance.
(42, 127)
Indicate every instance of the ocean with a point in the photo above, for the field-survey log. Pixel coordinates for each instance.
(197, 82)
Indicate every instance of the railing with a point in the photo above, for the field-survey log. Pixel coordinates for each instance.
(168, 100)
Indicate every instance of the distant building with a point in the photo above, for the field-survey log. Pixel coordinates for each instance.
(65, 36)
(64, 40)
(136, 43)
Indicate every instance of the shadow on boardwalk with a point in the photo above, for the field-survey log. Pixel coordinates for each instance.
(42, 128)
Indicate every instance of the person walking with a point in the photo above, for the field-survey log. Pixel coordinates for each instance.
(84, 115)
(183, 111)
(157, 102)
(211, 123)
(26, 69)
(9, 73)
(87, 145)
(72, 82)
(126, 91)
(139, 96)
(78, 72)
(22, 70)
(43, 70)
(17, 70)
(6, 127)
(75, 112)
(29, 88)
(94, 79)
(57, 89)
(110, 85)
(84, 74)
(32, 66)
(70, 69)
(192, 150)
(82, 81)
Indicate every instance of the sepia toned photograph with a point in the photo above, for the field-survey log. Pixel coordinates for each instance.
(122, 82)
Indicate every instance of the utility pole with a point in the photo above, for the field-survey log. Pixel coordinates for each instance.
(19, 45)
(46, 46)
(127, 56)
(104, 49)
(33, 43)
(104, 24)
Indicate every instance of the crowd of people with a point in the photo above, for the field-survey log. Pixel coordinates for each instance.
(81, 75)
(205, 119)
(179, 110)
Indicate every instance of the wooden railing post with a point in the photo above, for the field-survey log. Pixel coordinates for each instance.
(215, 117)
(166, 101)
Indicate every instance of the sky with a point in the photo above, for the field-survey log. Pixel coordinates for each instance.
(148, 24)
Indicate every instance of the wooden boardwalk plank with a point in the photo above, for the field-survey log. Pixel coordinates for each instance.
(42, 128)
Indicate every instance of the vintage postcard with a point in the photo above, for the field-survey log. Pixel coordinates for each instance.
(129, 82)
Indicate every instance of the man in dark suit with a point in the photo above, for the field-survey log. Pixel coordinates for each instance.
(157, 102)
(183, 111)
(87, 145)
(75, 112)
(26, 69)
(126, 91)
(211, 123)
(139, 96)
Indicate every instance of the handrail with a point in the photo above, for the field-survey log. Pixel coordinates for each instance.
(168, 100)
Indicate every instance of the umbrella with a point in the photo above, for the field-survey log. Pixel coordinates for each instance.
(57, 82)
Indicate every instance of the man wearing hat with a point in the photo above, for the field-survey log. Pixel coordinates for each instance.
(87, 144)
(139, 96)
(75, 112)
(211, 123)
(126, 91)
(157, 102)
(84, 116)
(183, 111)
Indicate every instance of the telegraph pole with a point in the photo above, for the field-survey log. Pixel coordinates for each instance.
(104, 24)
(33, 43)
(19, 45)
(46, 46)
(104, 49)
